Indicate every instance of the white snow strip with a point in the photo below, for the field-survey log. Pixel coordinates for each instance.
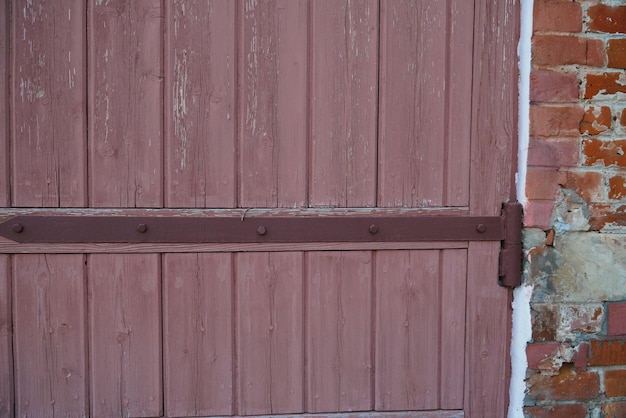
(522, 333)
(524, 55)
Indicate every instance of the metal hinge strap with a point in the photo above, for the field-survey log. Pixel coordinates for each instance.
(511, 253)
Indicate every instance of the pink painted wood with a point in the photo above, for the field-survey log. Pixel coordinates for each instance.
(200, 113)
(48, 100)
(338, 331)
(269, 318)
(5, 39)
(273, 103)
(198, 325)
(50, 335)
(6, 338)
(125, 104)
(125, 335)
(344, 93)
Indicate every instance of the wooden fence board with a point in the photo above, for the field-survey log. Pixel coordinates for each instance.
(6, 338)
(48, 103)
(200, 110)
(338, 327)
(5, 39)
(273, 103)
(50, 335)
(344, 103)
(270, 351)
(125, 335)
(198, 325)
(125, 105)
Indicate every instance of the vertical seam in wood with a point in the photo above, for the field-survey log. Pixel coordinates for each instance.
(308, 94)
(236, 100)
(373, 339)
(305, 308)
(90, 105)
(11, 46)
(11, 332)
(234, 329)
(160, 328)
(239, 109)
(167, 99)
(446, 112)
(378, 106)
(440, 278)
(87, 332)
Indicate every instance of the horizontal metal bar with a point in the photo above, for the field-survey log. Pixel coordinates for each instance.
(266, 229)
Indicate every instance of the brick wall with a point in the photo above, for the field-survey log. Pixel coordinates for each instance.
(575, 235)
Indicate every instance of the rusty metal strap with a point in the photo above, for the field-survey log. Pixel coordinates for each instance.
(177, 229)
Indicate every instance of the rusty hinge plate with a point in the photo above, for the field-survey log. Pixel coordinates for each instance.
(511, 254)
(181, 229)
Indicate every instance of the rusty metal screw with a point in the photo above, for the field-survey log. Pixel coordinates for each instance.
(18, 228)
(481, 228)
(142, 228)
(373, 229)
(261, 230)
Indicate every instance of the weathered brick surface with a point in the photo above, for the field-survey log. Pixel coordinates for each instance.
(557, 411)
(567, 49)
(616, 316)
(606, 153)
(615, 383)
(557, 15)
(597, 119)
(607, 353)
(617, 189)
(614, 410)
(606, 18)
(556, 121)
(561, 152)
(542, 183)
(553, 86)
(616, 52)
(566, 386)
(605, 83)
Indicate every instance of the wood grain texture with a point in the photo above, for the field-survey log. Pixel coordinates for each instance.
(338, 326)
(270, 355)
(48, 100)
(273, 103)
(344, 97)
(125, 335)
(50, 335)
(126, 103)
(6, 338)
(198, 326)
(5, 39)
(408, 303)
(200, 104)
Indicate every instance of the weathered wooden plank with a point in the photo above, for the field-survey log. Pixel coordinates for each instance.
(273, 103)
(270, 357)
(412, 103)
(50, 335)
(125, 335)
(125, 106)
(198, 334)
(339, 359)
(407, 330)
(48, 103)
(458, 102)
(200, 104)
(452, 346)
(6, 338)
(5, 39)
(344, 104)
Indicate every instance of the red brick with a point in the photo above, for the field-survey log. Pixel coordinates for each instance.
(596, 120)
(603, 18)
(567, 49)
(616, 314)
(606, 153)
(603, 215)
(614, 410)
(544, 320)
(537, 214)
(615, 383)
(566, 386)
(553, 86)
(555, 121)
(541, 184)
(553, 153)
(587, 185)
(622, 119)
(537, 352)
(557, 411)
(607, 353)
(557, 15)
(606, 83)
(617, 189)
(616, 52)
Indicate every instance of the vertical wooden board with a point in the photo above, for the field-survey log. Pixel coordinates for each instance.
(412, 103)
(344, 103)
(125, 104)
(488, 334)
(459, 101)
(452, 358)
(125, 335)
(50, 335)
(407, 348)
(273, 103)
(48, 103)
(5, 198)
(339, 358)
(6, 339)
(200, 104)
(198, 340)
(269, 333)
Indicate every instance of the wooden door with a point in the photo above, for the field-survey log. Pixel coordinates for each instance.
(223, 108)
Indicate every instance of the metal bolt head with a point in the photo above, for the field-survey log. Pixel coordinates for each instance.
(261, 230)
(142, 228)
(18, 228)
(373, 229)
(481, 228)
